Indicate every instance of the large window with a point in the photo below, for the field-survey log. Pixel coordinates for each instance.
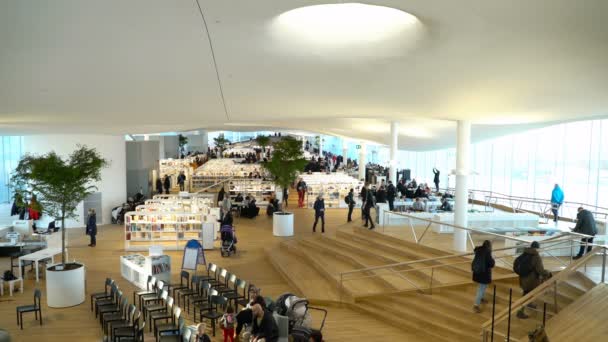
(574, 155)
(10, 154)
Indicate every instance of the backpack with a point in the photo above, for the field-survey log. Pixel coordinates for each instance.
(8, 275)
(479, 263)
(522, 265)
(229, 321)
(346, 200)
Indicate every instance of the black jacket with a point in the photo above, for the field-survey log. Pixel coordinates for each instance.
(159, 185)
(319, 206)
(92, 225)
(351, 199)
(585, 223)
(381, 196)
(363, 193)
(436, 179)
(267, 329)
(391, 192)
(486, 256)
(369, 200)
(167, 183)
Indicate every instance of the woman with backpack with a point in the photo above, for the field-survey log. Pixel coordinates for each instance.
(482, 265)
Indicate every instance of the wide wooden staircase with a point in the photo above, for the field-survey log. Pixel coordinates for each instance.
(430, 298)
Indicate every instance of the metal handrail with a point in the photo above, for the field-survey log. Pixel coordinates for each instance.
(540, 290)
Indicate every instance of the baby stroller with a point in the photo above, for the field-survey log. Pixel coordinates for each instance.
(228, 240)
(300, 321)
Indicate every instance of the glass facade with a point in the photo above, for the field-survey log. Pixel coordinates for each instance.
(574, 155)
(11, 150)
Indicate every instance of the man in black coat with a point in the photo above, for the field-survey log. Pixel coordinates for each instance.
(585, 224)
(350, 200)
(482, 265)
(159, 186)
(363, 196)
(369, 204)
(167, 184)
(391, 193)
(264, 326)
(436, 178)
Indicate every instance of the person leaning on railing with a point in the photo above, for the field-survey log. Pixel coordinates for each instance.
(585, 224)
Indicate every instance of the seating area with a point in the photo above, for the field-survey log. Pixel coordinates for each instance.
(163, 308)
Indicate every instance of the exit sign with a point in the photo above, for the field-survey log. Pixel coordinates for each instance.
(358, 147)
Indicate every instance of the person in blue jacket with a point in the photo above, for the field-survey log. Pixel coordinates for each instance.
(557, 198)
(319, 213)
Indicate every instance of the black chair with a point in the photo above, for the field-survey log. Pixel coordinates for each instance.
(36, 309)
(211, 273)
(111, 300)
(160, 305)
(214, 314)
(184, 280)
(124, 317)
(206, 305)
(154, 298)
(201, 297)
(235, 296)
(191, 291)
(130, 333)
(129, 322)
(119, 306)
(223, 279)
(230, 285)
(160, 315)
(102, 295)
(170, 329)
(150, 290)
(173, 337)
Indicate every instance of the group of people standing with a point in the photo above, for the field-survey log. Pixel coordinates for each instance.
(165, 183)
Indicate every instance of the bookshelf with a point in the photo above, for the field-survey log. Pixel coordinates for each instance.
(171, 230)
(136, 268)
(334, 186)
(260, 189)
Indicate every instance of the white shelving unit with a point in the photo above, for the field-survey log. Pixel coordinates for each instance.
(171, 230)
(334, 186)
(136, 268)
(259, 189)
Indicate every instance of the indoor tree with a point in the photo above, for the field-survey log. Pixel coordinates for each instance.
(59, 184)
(221, 142)
(287, 161)
(263, 141)
(182, 142)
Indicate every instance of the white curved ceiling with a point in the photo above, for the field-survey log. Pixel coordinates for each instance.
(138, 66)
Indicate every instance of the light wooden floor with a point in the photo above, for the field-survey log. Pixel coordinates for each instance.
(79, 324)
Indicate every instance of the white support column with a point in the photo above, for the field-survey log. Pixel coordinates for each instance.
(344, 150)
(462, 171)
(393, 151)
(362, 161)
(320, 145)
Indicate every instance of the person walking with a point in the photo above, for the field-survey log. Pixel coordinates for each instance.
(369, 204)
(159, 186)
(350, 200)
(436, 178)
(301, 187)
(286, 197)
(391, 193)
(363, 195)
(482, 265)
(529, 267)
(91, 229)
(181, 180)
(585, 224)
(167, 184)
(557, 199)
(319, 207)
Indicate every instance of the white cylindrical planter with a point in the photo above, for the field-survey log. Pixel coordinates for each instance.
(282, 223)
(65, 288)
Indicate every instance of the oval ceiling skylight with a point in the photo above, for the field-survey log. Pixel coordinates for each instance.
(347, 28)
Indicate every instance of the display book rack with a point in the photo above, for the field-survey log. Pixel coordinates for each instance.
(136, 268)
(217, 170)
(260, 189)
(171, 230)
(192, 204)
(334, 187)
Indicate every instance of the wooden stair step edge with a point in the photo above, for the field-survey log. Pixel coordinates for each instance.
(405, 325)
(424, 322)
(395, 242)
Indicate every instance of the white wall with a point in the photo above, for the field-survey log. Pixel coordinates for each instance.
(113, 182)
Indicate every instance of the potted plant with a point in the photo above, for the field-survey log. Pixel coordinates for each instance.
(286, 163)
(60, 185)
(221, 143)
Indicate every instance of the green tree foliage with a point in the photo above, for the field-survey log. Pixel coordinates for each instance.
(59, 184)
(221, 142)
(263, 141)
(286, 162)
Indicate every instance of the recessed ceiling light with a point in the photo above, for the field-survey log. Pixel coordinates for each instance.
(332, 27)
